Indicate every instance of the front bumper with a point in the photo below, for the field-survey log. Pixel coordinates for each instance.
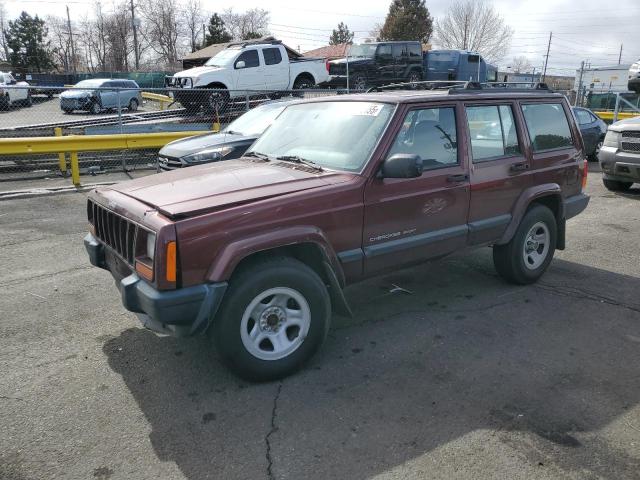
(182, 312)
(619, 165)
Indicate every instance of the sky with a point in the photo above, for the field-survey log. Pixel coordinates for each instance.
(582, 29)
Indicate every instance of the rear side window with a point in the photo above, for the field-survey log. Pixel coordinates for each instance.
(492, 131)
(250, 59)
(384, 50)
(399, 50)
(431, 134)
(415, 51)
(547, 125)
(271, 56)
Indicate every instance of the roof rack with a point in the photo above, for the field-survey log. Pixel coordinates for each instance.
(455, 86)
(254, 42)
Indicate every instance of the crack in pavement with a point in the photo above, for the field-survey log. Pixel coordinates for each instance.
(274, 429)
(18, 281)
(583, 294)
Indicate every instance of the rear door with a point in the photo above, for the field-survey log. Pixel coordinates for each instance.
(108, 94)
(276, 69)
(588, 128)
(500, 170)
(401, 61)
(557, 150)
(412, 220)
(384, 64)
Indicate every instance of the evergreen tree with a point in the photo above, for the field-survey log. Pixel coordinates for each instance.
(407, 20)
(341, 35)
(27, 47)
(252, 35)
(217, 33)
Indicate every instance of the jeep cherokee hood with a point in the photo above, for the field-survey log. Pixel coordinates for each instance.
(203, 188)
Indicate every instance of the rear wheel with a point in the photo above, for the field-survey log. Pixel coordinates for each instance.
(616, 186)
(5, 102)
(303, 82)
(593, 157)
(28, 101)
(275, 316)
(526, 257)
(359, 83)
(414, 77)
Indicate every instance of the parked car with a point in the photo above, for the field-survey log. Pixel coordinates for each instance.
(256, 251)
(242, 68)
(620, 155)
(634, 77)
(98, 94)
(230, 143)
(13, 92)
(593, 130)
(372, 64)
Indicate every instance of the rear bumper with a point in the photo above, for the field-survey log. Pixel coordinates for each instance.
(182, 312)
(334, 81)
(575, 205)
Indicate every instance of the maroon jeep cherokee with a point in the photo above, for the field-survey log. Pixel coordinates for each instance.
(256, 252)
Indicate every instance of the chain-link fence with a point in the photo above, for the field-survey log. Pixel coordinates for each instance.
(94, 109)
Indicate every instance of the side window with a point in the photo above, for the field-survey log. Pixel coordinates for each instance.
(493, 132)
(415, 51)
(547, 125)
(399, 50)
(431, 134)
(250, 58)
(271, 56)
(583, 116)
(384, 51)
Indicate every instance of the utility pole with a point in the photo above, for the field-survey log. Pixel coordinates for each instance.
(73, 49)
(579, 93)
(620, 56)
(135, 36)
(546, 58)
(204, 36)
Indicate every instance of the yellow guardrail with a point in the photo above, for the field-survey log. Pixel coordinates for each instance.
(88, 143)
(164, 100)
(608, 115)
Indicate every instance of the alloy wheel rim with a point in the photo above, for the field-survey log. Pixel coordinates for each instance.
(275, 323)
(536, 246)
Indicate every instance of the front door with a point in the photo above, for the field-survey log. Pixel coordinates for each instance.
(276, 69)
(412, 220)
(251, 75)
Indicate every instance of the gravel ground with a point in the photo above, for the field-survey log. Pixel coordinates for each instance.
(464, 377)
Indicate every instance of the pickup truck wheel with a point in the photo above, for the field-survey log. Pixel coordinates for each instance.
(414, 77)
(275, 316)
(218, 102)
(616, 186)
(526, 257)
(359, 83)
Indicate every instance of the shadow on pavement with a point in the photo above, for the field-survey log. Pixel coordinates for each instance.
(544, 368)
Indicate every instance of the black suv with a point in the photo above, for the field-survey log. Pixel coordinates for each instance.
(372, 64)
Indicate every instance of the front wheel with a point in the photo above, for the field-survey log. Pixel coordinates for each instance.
(95, 108)
(133, 105)
(359, 83)
(526, 257)
(28, 101)
(275, 316)
(593, 157)
(616, 186)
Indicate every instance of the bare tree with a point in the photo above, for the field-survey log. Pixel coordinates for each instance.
(521, 64)
(193, 17)
(60, 39)
(375, 31)
(4, 48)
(474, 25)
(250, 24)
(162, 28)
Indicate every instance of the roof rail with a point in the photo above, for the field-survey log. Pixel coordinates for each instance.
(254, 42)
(456, 86)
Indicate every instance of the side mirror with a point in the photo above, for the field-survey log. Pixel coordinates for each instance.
(402, 165)
(240, 64)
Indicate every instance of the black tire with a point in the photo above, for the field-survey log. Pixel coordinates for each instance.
(414, 77)
(218, 101)
(95, 108)
(5, 102)
(358, 83)
(133, 105)
(593, 156)
(245, 287)
(509, 260)
(67, 110)
(303, 82)
(616, 186)
(29, 101)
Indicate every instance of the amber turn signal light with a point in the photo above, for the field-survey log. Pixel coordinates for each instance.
(171, 262)
(585, 171)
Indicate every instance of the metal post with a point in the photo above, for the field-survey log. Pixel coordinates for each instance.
(75, 169)
(246, 99)
(62, 156)
(347, 62)
(73, 49)
(620, 56)
(617, 108)
(119, 110)
(546, 58)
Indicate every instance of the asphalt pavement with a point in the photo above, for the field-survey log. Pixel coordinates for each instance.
(454, 375)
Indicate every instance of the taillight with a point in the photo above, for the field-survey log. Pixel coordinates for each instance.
(326, 65)
(585, 171)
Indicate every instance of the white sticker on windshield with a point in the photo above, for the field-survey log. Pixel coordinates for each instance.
(369, 109)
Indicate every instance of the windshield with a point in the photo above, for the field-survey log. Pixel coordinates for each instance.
(256, 121)
(88, 84)
(367, 50)
(223, 58)
(335, 135)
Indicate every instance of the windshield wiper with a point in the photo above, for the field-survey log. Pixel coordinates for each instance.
(261, 156)
(232, 132)
(303, 161)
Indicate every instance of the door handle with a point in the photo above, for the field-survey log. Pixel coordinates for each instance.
(519, 167)
(457, 178)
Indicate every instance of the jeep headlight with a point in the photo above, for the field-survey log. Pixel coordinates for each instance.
(208, 155)
(612, 139)
(151, 245)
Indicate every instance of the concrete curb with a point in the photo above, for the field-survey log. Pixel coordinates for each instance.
(43, 192)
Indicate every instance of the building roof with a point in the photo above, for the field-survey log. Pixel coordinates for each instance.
(330, 51)
(211, 50)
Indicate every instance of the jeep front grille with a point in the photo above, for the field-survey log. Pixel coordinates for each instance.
(114, 230)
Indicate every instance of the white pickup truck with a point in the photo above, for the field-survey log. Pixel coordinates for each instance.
(13, 92)
(244, 68)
